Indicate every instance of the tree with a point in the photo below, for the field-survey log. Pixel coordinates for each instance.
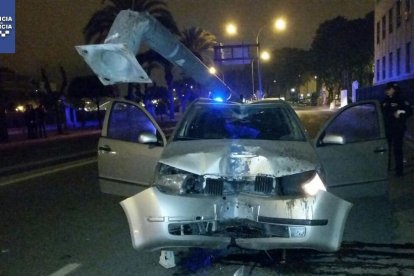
(342, 51)
(52, 98)
(89, 87)
(200, 42)
(289, 67)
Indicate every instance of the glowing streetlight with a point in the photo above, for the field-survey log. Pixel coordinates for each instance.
(265, 55)
(231, 29)
(280, 24)
(214, 71)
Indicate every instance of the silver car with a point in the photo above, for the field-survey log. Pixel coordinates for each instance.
(241, 174)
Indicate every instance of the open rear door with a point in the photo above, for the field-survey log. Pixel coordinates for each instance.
(126, 162)
(353, 150)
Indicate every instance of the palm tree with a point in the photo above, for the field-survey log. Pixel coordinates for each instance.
(200, 42)
(101, 21)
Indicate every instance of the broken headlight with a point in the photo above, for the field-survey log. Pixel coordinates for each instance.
(304, 183)
(174, 181)
(314, 185)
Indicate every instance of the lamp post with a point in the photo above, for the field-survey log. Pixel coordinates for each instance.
(280, 25)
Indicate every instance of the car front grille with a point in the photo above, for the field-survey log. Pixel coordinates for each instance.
(213, 186)
(263, 184)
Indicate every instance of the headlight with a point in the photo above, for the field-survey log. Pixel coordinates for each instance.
(314, 185)
(173, 181)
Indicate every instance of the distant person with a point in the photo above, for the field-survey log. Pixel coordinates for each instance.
(30, 121)
(4, 135)
(396, 111)
(40, 121)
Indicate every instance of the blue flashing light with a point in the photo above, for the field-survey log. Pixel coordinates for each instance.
(218, 99)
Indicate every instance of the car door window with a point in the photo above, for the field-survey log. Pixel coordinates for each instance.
(356, 124)
(127, 122)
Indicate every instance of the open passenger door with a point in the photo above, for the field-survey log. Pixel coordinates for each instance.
(354, 152)
(129, 148)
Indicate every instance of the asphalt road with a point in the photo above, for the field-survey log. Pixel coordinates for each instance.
(61, 222)
(55, 221)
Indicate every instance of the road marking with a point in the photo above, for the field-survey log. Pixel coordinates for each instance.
(46, 171)
(66, 270)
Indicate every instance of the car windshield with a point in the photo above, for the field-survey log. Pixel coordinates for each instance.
(266, 121)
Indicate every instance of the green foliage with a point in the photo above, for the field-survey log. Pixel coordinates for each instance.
(87, 87)
(342, 51)
(290, 67)
(200, 42)
(98, 26)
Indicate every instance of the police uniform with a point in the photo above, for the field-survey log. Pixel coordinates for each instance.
(395, 126)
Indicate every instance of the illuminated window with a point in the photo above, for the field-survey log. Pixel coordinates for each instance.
(377, 69)
(398, 61)
(408, 57)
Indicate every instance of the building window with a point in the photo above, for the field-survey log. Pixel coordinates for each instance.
(398, 11)
(378, 32)
(390, 65)
(383, 67)
(390, 20)
(398, 70)
(383, 27)
(408, 57)
(377, 69)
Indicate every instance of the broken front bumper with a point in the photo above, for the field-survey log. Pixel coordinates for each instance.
(161, 221)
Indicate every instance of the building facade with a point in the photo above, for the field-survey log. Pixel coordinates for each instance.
(394, 41)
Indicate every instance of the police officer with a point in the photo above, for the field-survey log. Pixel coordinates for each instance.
(396, 110)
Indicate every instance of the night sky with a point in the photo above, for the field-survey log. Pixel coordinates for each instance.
(48, 30)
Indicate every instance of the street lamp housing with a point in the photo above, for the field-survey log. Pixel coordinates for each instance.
(231, 29)
(280, 24)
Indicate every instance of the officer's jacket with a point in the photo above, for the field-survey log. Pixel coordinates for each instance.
(392, 105)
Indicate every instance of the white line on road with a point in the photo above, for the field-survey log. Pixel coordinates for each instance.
(66, 270)
(46, 171)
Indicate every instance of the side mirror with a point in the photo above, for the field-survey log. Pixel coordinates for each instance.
(147, 138)
(333, 139)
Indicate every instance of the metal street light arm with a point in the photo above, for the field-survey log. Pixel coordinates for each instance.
(115, 62)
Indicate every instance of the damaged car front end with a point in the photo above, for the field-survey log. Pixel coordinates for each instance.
(237, 175)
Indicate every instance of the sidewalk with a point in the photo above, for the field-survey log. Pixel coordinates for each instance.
(20, 154)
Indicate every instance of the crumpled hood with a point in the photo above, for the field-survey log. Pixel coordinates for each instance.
(240, 158)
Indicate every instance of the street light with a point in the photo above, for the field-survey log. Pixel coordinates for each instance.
(280, 25)
(231, 29)
(214, 71)
(265, 55)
